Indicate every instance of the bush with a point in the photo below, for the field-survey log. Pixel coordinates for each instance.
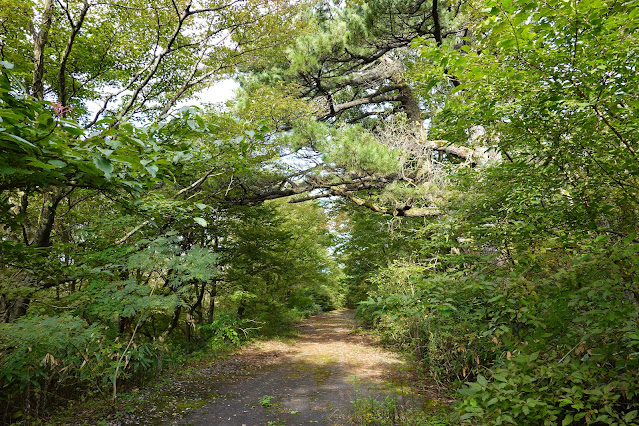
(44, 357)
(553, 340)
(531, 389)
(227, 328)
(41, 354)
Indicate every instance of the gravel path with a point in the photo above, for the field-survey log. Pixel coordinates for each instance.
(311, 379)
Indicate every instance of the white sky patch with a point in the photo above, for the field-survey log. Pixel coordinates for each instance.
(217, 93)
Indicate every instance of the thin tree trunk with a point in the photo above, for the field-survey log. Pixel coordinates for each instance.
(75, 29)
(50, 199)
(212, 295)
(197, 307)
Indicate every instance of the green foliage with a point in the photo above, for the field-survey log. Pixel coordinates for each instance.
(355, 148)
(45, 355)
(43, 347)
(227, 328)
(41, 148)
(110, 300)
(526, 290)
(280, 105)
(120, 232)
(568, 345)
(368, 244)
(562, 348)
(116, 236)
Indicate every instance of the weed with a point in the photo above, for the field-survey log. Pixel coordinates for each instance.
(265, 401)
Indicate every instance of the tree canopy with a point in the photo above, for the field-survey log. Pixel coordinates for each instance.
(465, 174)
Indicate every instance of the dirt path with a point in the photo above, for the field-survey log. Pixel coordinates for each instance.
(309, 380)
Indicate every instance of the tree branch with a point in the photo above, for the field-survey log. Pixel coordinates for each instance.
(75, 29)
(156, 64)
(406, 211)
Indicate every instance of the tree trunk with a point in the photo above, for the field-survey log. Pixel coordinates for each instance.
(40, 37)
(173, 324)
(189, 324)
(212, 295)
(197, 307)
(407, 98)
(62, 82)
(241, 309)
(50, 199)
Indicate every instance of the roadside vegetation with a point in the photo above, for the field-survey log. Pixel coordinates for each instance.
(464, 174)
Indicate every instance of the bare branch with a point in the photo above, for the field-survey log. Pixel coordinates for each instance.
(198, 182)
(132, 232)
(367, 100)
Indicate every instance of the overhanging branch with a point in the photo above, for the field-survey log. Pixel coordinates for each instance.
(407, 211)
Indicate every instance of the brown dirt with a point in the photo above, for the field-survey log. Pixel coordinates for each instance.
(309, 380)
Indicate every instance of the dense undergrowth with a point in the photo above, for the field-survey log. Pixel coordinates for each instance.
(535, 345)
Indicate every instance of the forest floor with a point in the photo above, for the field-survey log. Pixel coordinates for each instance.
(310, 379)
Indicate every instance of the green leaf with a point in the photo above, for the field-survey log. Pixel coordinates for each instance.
(41, 165)
(152, 169)
(201, 221)
(19, 139)
(107, 152)
(113, 143)
(482, 380)
(74, 130)
(57, 163)
(104, 165)
(7, 170)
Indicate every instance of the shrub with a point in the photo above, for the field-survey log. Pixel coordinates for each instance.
(41, 354)
(227, 328)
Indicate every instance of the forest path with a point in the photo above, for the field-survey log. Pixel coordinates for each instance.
(307, 380)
